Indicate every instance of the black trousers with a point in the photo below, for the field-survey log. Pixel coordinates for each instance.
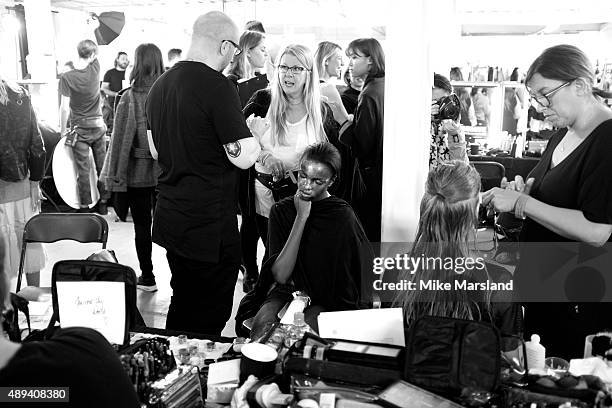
(249, 237)
(202, 292)
(139, 200)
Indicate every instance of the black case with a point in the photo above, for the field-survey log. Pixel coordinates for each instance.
(80, 270)
(446, 355)
(344, 366)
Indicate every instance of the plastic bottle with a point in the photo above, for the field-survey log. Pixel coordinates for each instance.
(296, 330)
(536, 353)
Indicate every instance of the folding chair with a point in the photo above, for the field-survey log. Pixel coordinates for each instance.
(53, 227)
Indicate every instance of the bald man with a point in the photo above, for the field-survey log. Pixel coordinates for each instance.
(201, 138)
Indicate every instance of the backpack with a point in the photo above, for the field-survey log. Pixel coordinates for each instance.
(446, 355)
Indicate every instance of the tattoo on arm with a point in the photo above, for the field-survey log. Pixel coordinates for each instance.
(233, 149)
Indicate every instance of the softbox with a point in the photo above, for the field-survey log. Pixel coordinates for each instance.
(111, 24)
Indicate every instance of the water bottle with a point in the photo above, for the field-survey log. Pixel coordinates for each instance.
(296, 330)
(536, 353)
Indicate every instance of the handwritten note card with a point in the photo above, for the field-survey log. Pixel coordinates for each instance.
(97, 305)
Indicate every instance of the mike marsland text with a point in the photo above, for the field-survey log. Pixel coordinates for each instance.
(435, 284)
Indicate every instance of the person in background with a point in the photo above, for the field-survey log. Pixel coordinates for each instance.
(246, 65)
(22, 166)
(200, 148)
(269, 69)
(468, 116)
(514, 103)
(328, 58)
(129, 166)
(482, 106)
(111, 85)
(254, 25)
(174, 56)
(252, 58)
(350, 96)
(447, 230)
(317, 245)
(567, 198)
(78, 358)
(447, 138)
(82, 102)
(363, 131)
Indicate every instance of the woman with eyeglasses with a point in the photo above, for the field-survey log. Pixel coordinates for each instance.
(317, 245)
(363, 131)
(286, 119)
(567, 198)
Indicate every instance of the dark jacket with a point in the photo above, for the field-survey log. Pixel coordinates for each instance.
(365, 138)
(258, 105)
(128, 161)
(21, 144)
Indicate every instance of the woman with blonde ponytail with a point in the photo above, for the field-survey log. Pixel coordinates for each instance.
(445, 243)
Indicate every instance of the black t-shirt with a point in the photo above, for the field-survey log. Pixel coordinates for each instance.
(582, 181)
(78, 358)
(82, 86)
(115, 78)
(193, 111)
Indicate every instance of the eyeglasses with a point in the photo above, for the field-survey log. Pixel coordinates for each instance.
(295, 70)
(303, 178)
(544, 100)
(237, 48)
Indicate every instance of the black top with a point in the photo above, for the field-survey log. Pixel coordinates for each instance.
(334, 255)
(365, 138)
(82, 86)
(193, 111)
(350, 97)
(582, 181)
(552, 271)
(115, 78)
(78, 358)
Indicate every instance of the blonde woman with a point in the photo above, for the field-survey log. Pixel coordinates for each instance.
(447, 225)
(294, 120)
(22, 164)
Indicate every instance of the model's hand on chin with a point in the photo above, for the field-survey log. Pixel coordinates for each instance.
(302, 206)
